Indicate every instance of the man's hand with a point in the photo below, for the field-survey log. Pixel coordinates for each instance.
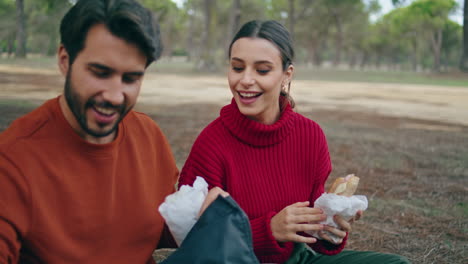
(210, 197)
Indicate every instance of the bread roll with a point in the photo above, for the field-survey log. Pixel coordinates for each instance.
(345, 185)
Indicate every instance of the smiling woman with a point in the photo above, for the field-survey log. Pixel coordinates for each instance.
(272, 161)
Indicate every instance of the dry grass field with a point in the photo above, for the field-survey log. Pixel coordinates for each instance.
(408, 143)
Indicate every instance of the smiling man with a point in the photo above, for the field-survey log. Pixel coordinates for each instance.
(82, 176)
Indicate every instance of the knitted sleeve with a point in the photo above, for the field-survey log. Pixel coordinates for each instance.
(204, 160)
(323, 168)
(264, 242)
(14, 210)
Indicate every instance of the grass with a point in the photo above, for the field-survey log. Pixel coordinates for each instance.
(374, 76)
(181, 66)
(415, 180)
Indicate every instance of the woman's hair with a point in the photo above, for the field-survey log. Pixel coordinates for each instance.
(275, 33)
(126, 19)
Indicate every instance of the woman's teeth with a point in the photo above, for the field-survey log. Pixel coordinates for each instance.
(248, 95)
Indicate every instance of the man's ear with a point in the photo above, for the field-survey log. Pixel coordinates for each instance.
(63, 60)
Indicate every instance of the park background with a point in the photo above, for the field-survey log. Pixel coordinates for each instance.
(386, 80)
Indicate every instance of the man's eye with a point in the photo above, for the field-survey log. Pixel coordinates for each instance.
(101, 74)
(129, 79)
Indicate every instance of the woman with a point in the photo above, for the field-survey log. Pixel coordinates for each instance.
(271, 160)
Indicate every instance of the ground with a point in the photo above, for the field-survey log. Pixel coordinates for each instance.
(408, 143)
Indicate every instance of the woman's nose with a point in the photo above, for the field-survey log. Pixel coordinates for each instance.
(247, 78)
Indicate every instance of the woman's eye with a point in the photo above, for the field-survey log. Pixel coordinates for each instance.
(237, 69)
(263, 71)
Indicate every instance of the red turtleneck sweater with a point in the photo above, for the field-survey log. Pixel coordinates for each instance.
(264, 168)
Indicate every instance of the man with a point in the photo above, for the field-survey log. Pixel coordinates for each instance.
(82, 176)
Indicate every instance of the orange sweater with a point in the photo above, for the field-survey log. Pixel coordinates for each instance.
(64, 200)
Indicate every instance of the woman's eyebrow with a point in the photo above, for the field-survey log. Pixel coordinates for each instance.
(263, 62)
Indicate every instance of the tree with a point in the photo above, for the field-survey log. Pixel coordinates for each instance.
(342, 13)
(451, 44)
(7, 26)
(432, 16)
(43, 25)
(20, 30)
(464, 58)
(207, 60)
(234, 21)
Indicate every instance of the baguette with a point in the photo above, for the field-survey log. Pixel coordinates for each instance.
(345, 185)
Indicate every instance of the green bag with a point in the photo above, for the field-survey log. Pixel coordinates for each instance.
(221, 235)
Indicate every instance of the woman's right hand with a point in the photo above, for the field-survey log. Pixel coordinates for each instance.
(298, 217)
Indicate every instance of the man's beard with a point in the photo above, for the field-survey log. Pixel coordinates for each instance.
(78, 108)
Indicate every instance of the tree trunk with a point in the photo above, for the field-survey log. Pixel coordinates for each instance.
(10, 46)
(20, 30)
(364, 60)
(291, 17)
(168, 40)
(190, 45)
(436, 41)
(207, 62)
(464, 59)
(234, 22)
(338, 40)
(414, 57)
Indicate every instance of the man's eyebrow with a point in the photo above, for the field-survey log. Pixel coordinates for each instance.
(100, 67)
(109, 69)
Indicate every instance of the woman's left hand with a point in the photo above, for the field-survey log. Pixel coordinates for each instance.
(343, 228)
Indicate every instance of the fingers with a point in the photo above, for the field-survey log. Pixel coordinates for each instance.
(338, 238)
(302, 239)
(358, 215)
(294, 218)
(342, 223)
(337, 232)
(210, 197)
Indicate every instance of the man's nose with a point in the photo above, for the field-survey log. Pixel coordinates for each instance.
(114, 94)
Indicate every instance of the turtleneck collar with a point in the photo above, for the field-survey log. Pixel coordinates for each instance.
(253, 132)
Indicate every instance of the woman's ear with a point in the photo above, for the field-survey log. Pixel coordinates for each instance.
(289, 73)
(63, 60)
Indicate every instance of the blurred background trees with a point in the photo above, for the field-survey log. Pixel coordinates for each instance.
(417, 35)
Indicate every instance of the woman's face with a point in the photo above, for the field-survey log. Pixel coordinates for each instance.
(255, 78)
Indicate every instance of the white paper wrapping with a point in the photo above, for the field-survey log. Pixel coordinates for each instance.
(180, 209)
(333, 204)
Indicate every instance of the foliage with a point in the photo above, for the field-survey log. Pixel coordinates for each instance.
(7, 25)
(416, 35)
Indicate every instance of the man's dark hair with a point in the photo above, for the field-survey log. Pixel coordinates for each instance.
(126, 19)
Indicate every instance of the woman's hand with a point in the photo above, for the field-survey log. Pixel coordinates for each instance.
(298, 217)
(340, 231)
